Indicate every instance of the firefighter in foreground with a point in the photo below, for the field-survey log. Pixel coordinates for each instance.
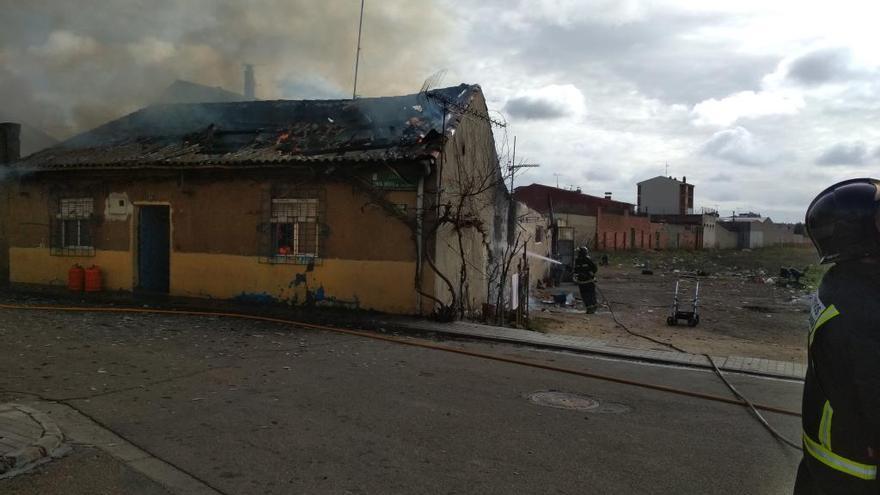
(585, 277)
(841, 404)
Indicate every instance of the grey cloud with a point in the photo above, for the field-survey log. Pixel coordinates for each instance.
(727, 194)
(651, 53)
(850, 153)
(529, 107)
(737, 145)
(599, 173)
(820, 66)
(721, 178)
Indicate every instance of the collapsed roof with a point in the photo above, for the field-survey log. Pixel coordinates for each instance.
(265, 133)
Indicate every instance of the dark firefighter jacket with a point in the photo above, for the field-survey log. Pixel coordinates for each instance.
(584, 270)
(841, 404)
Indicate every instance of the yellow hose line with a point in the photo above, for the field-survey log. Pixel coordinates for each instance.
(410, 342)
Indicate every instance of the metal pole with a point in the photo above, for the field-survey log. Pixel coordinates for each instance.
(357, 58)
(512, 168)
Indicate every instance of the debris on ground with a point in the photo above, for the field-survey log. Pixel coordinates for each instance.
(773, 330)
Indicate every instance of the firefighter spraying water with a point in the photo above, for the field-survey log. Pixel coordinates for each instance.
(585, 277)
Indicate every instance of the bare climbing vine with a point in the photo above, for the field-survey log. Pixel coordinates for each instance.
(471, 200)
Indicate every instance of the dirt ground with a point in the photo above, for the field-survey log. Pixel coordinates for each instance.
(743, 309)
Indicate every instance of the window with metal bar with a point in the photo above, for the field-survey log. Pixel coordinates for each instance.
(72, 228)
(294, 230)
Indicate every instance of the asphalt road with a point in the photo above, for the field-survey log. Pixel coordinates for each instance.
(263, 408)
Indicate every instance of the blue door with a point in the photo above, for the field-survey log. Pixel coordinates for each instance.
(154, 247)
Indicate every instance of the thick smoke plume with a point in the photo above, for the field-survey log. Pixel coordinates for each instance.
(67, 66)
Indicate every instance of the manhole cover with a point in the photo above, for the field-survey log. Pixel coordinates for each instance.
(563, 400)
(576, 402)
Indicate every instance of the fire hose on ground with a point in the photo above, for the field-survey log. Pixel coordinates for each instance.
(741, 401)
(744, 400)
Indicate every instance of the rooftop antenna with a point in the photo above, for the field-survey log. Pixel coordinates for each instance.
(557, 180)
(667, 169)
(433, 81)
(512, 167)
(357, 57)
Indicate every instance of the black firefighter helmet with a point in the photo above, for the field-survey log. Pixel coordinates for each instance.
(842, 221)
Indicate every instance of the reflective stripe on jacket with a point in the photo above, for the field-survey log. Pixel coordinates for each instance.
(850, 455)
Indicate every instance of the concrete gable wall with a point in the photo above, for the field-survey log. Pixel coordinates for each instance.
(470, 163)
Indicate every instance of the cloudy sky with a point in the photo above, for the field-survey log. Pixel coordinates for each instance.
(760, 104)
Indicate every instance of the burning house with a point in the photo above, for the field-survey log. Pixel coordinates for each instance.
(393, 204)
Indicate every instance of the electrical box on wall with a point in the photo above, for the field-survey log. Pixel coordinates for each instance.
(117, 207)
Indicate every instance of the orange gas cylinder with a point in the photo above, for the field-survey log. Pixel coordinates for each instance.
(76, 278)
(93, 279)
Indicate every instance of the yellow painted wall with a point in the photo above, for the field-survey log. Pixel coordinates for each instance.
(37, 266)
(378, 285)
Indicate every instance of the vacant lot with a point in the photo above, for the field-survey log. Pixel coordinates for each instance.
(743, 310)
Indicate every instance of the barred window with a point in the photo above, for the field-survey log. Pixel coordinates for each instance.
(294, 229)
(72, 228)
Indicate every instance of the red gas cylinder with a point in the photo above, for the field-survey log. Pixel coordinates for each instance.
(93, 279)
(76, 278)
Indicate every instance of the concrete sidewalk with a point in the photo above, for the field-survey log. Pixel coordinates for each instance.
(738, 364)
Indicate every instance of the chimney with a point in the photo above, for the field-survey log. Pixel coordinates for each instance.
(684, 179)
(10, 142)
(607, 195)
(578, 190)
(250, 84)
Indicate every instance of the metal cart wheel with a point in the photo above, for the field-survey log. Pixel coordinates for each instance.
(694, 321)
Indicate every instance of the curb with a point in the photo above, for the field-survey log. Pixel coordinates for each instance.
(47, 447)
(686, 360)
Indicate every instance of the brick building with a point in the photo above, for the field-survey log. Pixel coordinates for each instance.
(598, 222)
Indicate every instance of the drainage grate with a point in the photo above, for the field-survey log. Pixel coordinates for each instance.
(575, 402)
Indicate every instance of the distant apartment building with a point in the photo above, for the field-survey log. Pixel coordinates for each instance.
(665, 196)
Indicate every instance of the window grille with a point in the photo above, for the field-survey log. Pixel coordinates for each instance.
(294, 230)
(72, 228)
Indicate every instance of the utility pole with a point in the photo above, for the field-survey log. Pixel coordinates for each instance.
(557, 180)
(512, 167)
(357, 57)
